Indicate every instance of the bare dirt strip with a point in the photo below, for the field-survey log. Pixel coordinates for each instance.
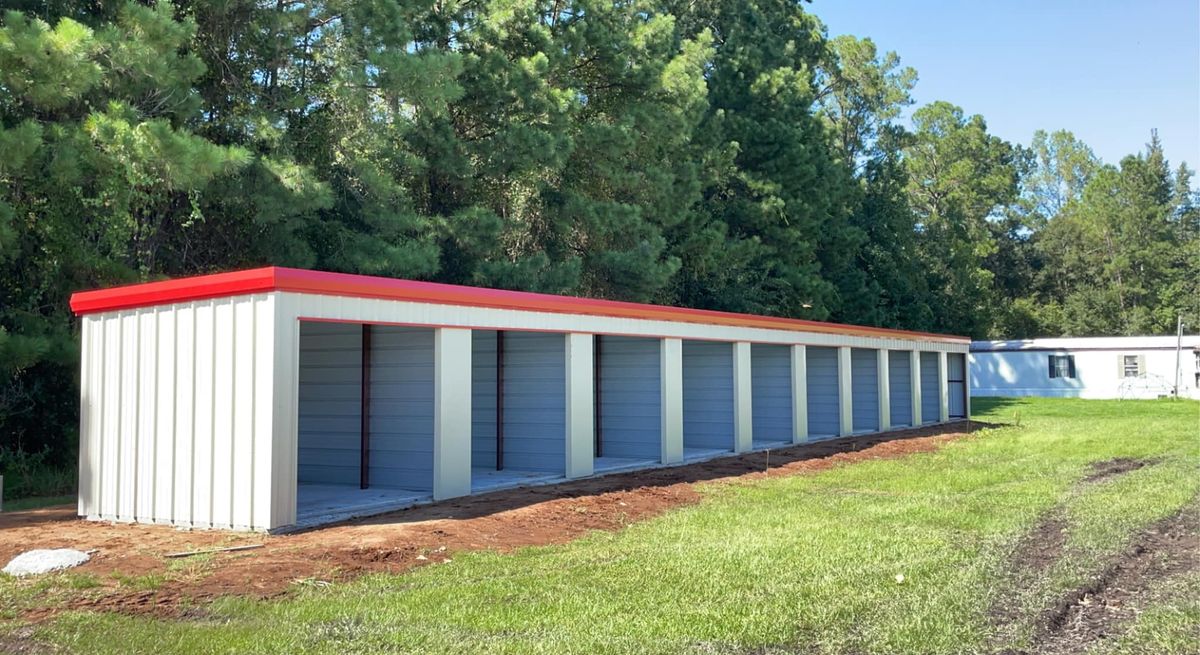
(1106, 604)
(399, 541)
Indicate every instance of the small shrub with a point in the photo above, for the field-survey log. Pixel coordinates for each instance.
(29, 474)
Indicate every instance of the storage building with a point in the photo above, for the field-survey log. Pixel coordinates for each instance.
(279, 398)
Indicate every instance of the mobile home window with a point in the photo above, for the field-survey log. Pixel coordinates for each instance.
(1131, 366)
(1062, 366)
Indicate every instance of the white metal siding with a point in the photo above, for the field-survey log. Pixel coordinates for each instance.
(330, 425)
(168, 400)
(707, 395)
(771, 372)
(630, 417)
(930, 390)
(401, 401)
(864, 374)
(900, 387)
(824, 401)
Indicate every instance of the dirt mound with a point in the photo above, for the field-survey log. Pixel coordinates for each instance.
(1113, 467)
(133, 576)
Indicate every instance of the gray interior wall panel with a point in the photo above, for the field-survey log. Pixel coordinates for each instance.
(956, 376)
(535, 409)
(330, 402)
(771, 391)
(824, 408)
(900, 387)
(483, 399)
(630, 417)
(401, 414)
(864, 383)
(930, 395)
(708, 395)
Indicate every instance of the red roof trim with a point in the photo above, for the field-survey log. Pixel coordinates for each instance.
(262, 280)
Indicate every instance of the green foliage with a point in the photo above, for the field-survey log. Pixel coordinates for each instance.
(720, 154)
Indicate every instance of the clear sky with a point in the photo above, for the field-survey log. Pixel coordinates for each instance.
(1108, 71)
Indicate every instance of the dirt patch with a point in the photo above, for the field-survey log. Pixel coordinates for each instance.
(129, 553)
(1110, 468)
(1106, 605)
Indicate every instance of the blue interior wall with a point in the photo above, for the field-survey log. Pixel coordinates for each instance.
(535, 401)
(401, 408)
(630, 398)
(483, 399)
(956, 375)
(931, 411)
(900, 387)
(864, 384)
(708, 395)
(771, 390)
(329, 430)
(824, 408)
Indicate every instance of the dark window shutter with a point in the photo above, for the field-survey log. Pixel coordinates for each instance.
(1071, 366)
(1050, 360)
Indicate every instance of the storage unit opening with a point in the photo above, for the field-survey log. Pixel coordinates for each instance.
(708, 420)
(628, 403)
(824, 397)
(771, 380)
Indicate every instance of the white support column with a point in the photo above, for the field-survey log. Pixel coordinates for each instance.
(845, 392)
(799, 394)
(276, 461)
(967, 383)
(451, 413)
(943, 389)
(581, 398)
(743, 400)
(914, 373)
(885, 391)
(671, 399)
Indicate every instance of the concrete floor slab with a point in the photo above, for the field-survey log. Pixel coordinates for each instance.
(485, 479)
(617, 464)
(318, 504)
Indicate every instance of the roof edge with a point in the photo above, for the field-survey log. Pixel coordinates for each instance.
(295, 280)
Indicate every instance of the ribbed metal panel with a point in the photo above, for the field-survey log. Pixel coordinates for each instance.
(401, 400)
(930, 393)
(330, 403)
(771, 374)
(707, 395)
(864, 373)
(956, 375)
(170, 397)
(900, 387)
(483, 399)
(534, 402)
(630, 395)
(824, 401)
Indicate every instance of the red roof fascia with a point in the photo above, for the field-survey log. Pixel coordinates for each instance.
(263, 280)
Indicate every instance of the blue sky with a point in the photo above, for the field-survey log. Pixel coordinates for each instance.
(1108, 71)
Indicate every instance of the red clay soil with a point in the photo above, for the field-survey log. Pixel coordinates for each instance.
(401, 540)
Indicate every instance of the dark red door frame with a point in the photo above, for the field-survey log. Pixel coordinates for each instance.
(599, 448)
(499, 400)
(364, 412)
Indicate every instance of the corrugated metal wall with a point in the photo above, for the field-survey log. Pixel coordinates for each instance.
(535, 405)
(956, 380)
(824, 405)
(401, 435)
(330, 403)
(630, 417)
(483, 399)
(771, 390)
(864, 380)
(168, 429)
(708, 395)
(931, 410)
(900, 387)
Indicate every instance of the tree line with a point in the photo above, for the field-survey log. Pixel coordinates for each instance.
(723, 154)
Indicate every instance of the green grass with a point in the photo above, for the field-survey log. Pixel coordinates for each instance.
(36, 502)
(807, 562)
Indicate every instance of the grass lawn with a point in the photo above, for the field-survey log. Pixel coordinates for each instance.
(910, 555)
